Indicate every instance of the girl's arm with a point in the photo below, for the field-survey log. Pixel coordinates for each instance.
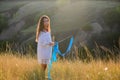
(47, 44)
(37, 34)
(45, 40)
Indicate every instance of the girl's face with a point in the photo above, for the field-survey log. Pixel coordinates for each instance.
(46, 23)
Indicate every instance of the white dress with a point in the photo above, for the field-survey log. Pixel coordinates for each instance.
(44, 51)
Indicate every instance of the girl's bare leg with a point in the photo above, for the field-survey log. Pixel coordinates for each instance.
(43, 68)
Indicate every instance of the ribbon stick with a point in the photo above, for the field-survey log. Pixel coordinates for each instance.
(68, 49)
(54, 54)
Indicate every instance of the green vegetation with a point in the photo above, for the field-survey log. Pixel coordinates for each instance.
(29, 30)
(111, 17)
(3, 23)
(7, 5)
(18, 61)
(87, 27)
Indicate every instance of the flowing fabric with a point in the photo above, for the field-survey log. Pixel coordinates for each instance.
(57, 51)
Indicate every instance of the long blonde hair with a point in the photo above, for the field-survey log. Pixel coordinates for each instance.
(40, 25)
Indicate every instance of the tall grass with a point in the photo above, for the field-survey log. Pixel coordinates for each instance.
(101, 63)
(14, 67)
(100, 52)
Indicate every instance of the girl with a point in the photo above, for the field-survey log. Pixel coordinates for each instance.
(44, 42)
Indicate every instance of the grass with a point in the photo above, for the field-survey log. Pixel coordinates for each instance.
(102, 64)
(29, 30)
(87, 27)
(31, 8)
(4, 6)
(25, 67)
(16, 67)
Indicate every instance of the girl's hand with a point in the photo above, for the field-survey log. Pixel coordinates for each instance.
(51, 43)
(36, 40)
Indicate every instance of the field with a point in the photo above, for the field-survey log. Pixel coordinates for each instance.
(100, 63)
(16, 67)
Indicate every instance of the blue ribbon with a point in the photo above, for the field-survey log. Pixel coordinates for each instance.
(54, 53)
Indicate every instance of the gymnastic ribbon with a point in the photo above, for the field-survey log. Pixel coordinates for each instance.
(55, 51)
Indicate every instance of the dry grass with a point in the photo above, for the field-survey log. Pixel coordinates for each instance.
(77, 70)
(14, 67)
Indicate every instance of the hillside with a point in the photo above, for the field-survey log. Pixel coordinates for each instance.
(83, 19)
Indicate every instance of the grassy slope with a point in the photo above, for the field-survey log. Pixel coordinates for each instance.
(75, 15)
(66, 18)
(4, 6)
(78, 13)
(31, 8)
